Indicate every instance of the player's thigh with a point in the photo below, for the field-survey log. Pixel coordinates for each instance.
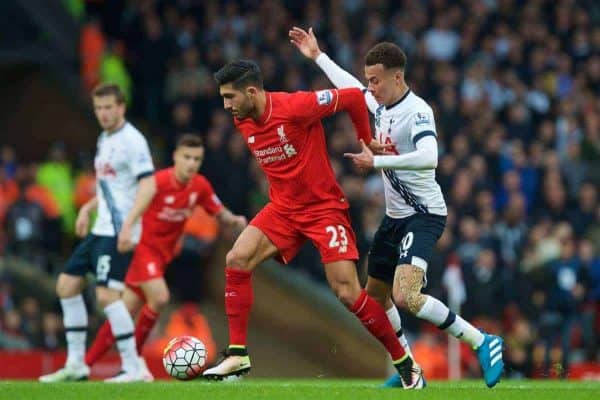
(156, 292)
(250, 249)
(383, 253)
(146, 264)
(110, 265)
(72, 279)
(331, 233)
(418, 242)
(280, 230)
(380, 290)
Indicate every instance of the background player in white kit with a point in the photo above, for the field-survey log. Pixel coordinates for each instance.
(122, 163)
(415, 207)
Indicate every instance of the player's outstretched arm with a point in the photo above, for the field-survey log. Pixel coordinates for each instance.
(83, 217)
(228, 218)
(307, 44)
(424, 157)
(145, 193)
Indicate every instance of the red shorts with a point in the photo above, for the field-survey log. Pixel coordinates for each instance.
(147, 264)
(329, 230)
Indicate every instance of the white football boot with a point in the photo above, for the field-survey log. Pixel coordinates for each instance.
(70, 373)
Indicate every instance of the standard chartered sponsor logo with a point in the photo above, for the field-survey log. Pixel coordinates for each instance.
(275, 153)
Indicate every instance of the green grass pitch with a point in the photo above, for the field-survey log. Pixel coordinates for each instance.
(312, 389)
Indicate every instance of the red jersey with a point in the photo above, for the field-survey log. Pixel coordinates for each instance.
(288, 141)
(173, 203)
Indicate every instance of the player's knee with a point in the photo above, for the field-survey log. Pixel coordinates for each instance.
(409, 300)
(105, 296)
(237, 260)
(159, 301)
(346, 292)
(383, 298)
(67, 286)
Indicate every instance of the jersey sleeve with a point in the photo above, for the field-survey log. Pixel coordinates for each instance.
(140, 160)
(312, 106)
(422, 125)
(209, 199)
(343, 79)
(308, 107)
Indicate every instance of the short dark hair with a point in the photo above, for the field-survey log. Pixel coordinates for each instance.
(387, 54)
(189, 140)
(241, 74)
(109, 89)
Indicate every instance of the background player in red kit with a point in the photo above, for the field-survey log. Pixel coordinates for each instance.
(284, 133)
(168, 202)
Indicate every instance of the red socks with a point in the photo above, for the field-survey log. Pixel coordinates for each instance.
(373, 317)
(102, 343)
(238, 302)
(144, 325)
(104, 338)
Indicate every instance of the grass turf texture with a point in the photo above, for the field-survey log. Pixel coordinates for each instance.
(313, 389)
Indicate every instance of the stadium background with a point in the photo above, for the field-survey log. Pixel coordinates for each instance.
(516, 90)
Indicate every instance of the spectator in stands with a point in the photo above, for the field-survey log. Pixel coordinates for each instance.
(56, 175)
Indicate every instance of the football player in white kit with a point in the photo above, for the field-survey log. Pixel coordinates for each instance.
(123, 163)
(415, 207)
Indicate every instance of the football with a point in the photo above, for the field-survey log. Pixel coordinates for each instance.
(184, 357)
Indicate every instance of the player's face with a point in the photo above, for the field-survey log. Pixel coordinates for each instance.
(188, 161)
(383, 83)
(109, 112)
(237, 102)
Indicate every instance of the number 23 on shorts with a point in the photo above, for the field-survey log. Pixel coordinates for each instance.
(339, 238)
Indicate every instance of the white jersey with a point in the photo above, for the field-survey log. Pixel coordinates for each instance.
(408, 191)
(122, 158)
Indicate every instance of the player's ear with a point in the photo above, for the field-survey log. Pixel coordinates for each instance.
(251, 91)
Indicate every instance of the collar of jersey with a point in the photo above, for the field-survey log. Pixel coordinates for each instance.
(266, 115)
(399, 101)
(118, 130)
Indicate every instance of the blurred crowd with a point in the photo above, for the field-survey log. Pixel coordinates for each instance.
(515, 86)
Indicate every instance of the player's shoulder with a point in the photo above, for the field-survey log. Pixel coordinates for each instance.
(163, 174)
(200, 181)
(132, 134)
(418, 104)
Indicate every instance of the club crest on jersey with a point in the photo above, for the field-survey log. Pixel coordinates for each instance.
(251, 139)
(422, 119)
(192, 199)
(169, 199)
(281, 133)
(324, 97)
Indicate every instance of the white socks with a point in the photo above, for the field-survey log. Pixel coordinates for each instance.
(122, 329)
(438, 314)
(394, 317)
(75, 321)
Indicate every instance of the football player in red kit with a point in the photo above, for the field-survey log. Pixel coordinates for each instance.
(166, 205)
(284, 133)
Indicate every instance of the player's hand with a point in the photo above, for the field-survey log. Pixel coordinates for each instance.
(306, 42)
(124, 243)
(379, 148)
(238, 222)
(363, 160)
(82, 223)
